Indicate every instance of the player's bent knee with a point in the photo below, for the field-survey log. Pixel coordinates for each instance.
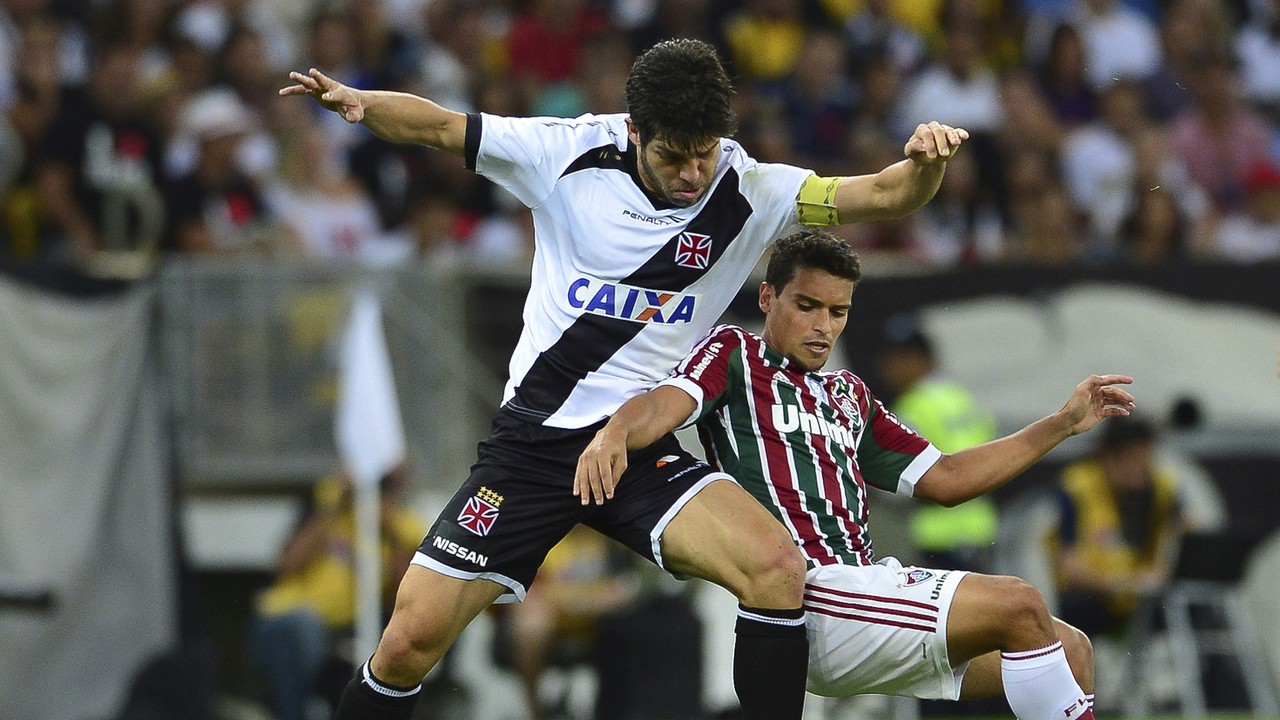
(1023, 611)
(775, 577)
(1078, 646)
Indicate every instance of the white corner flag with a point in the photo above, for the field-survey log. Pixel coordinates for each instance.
(370, 439)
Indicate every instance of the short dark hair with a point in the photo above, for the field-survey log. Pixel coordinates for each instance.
(679, 91)
(811, 248)
(1125, 431)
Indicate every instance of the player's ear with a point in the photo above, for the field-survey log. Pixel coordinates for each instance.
(766, 297)
(632, 134)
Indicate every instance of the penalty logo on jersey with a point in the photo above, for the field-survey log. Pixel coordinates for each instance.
(480, 512)
(693, 250)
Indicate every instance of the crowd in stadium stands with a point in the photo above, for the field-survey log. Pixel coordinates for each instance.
(1103, 131)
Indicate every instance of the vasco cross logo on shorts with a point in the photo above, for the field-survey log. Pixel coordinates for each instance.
(480, 512)
(693, 250)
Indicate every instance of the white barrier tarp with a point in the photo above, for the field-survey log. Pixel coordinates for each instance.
(84, 502)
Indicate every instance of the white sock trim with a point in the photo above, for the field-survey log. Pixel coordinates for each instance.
(381, 689)
(754, 617)
(1029, 658)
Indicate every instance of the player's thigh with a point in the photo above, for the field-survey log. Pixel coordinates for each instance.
(724, 535)
(431, 610)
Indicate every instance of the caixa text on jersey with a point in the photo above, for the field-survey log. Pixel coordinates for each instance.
(630, 303)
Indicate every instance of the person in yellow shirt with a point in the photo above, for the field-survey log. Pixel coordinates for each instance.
(1120, 522)
(312, 600)
(947, 414)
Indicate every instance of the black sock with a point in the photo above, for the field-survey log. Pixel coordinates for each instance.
(368, 698)
(770, 663)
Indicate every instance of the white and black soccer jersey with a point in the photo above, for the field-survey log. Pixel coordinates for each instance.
(804, 444)
(622, 284)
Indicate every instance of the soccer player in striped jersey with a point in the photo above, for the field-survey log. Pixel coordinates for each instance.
(807, 444)
(646, 224)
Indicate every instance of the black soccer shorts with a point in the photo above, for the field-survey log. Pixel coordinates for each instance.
(519, 502)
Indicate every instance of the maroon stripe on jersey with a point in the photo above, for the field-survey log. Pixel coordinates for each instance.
(829, 603)
(778, 471)
(829, 479)
(706, 365)
(891, 435)
(864, 596)
(871, 620)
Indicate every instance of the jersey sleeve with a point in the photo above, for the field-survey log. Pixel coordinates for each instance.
(704, 372)
(774, 191)
(891, 455)
(525, 155)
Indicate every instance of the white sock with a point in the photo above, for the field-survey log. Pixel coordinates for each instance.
(1089, 697)
(1039, 685)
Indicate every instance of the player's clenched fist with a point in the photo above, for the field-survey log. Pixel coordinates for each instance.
(934, 142)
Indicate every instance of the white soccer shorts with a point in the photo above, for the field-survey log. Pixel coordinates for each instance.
(881, 629)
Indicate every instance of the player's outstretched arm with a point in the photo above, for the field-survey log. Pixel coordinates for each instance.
(905, 186)
(637, 424)
(976, 471)
(393, 116)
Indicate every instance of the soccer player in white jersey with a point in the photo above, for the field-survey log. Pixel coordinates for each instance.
(646, 224)
(806, 444)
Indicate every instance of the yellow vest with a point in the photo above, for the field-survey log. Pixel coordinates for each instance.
(948, 416)
(1099, 533)
(327, 584)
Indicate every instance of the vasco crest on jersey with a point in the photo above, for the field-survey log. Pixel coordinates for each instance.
(693, 250)
(480, 512)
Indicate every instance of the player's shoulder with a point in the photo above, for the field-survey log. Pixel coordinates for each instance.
(732, 336)
(591, 129)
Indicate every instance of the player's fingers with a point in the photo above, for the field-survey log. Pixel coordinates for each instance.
(1111, 379)
(615, 472)
(939, 133)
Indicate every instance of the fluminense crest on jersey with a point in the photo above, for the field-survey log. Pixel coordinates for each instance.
(626, 302)
(693, 250)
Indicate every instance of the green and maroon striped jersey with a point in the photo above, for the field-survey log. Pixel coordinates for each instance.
(806, 445)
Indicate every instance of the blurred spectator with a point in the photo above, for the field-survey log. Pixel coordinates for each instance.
(874, 33)
(22, 132)
(217, 208)
(959, 90)
(449, 59)
(1258, 46)
(326, 213)
(101, 163)
(817, 102)
(1120, 43)
(1253, 235)
(209, 23)
(1190, 30)
(1220, 137)
(671, 19)
(1062, 78)
(961, 225)
(1047, 229)
(1098, 162)
(545, 43)
(143, 25)
(1120, 520)
(765, 38)
(946, 414)
(1155, 230)
(311, 604)
(584, 577)
(244, 65)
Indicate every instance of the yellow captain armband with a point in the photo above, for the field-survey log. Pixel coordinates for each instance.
(816, 203)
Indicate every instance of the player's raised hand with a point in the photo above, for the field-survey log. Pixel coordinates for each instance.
(599, 467)
(330, 93)
(934, 143)
(1097, 397)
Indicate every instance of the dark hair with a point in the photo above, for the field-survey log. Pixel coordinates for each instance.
(811, 248)
(1125, 431)
(679, 91)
